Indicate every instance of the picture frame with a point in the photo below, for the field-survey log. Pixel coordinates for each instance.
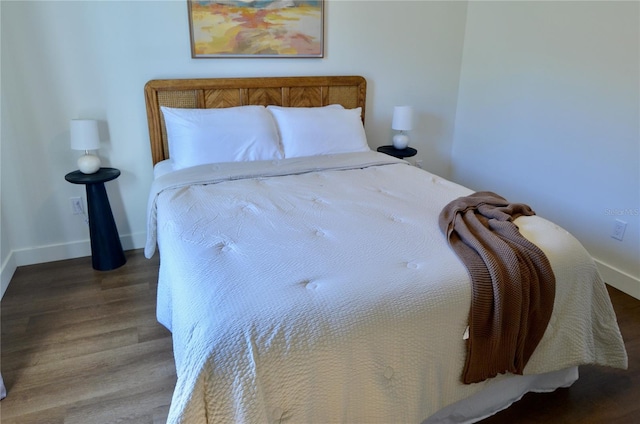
(256, 28)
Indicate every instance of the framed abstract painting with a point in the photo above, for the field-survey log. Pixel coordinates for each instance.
(256, 28)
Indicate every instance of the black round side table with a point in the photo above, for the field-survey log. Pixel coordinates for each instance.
(398, 153)
(106, 249)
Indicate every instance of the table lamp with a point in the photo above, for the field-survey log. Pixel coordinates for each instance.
(84, 136)
(402, 121)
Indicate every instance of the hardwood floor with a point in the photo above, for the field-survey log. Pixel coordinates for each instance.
(84, 346)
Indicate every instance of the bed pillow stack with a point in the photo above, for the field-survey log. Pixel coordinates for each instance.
(247, 133)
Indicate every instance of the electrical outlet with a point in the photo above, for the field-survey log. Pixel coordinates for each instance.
(76, 205)
(618, 229)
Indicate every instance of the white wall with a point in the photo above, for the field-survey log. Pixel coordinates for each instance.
(547, 111)
(91, 59)
(548, 114)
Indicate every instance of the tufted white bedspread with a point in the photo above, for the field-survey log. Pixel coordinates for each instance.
(320, 290)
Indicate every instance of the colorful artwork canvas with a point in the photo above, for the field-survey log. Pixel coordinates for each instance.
(256, 28)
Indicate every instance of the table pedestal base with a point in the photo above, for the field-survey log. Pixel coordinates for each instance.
(106, 249)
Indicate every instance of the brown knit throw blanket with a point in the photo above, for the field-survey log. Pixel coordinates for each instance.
(513, 286)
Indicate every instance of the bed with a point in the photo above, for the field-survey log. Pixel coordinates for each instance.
(305, 279)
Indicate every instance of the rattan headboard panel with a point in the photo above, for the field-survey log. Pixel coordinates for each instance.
(349, 91)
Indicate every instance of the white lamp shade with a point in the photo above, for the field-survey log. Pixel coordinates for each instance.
(84, 134)
(402, 118)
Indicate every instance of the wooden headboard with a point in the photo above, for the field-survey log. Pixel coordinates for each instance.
(349, 91)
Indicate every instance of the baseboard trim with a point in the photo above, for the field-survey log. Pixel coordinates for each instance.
(619, 279)
(6, 273)
(57, 252)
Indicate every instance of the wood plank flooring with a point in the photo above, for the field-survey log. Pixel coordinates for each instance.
(84, 346)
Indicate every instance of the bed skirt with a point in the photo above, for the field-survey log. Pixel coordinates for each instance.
(500, 394)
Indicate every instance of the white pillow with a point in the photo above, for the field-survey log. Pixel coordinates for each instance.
(201, 136)
(319, 130)
(163, 167)
(333, 106)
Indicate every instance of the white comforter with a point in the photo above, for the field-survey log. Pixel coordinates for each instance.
(320, 290)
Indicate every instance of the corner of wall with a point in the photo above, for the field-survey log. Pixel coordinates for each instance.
(6, 273)
(57, 252)
(619, 279)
